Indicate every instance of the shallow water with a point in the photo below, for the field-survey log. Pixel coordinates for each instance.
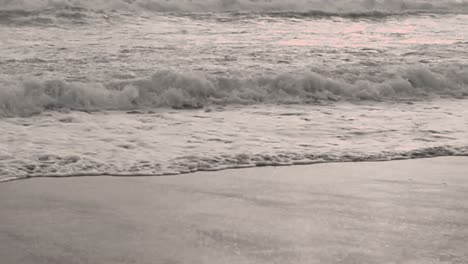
(267, 84)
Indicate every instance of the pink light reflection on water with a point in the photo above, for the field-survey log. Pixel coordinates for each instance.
(369, 34)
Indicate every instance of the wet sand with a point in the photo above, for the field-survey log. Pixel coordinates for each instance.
(412, 211)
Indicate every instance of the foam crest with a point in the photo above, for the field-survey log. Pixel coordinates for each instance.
(34, 97)
(168, 88)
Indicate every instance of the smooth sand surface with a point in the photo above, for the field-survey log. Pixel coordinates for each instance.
(384, 212)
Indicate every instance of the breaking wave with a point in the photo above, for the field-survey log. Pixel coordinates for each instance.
(167, 88)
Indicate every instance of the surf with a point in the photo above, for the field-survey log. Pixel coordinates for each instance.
(179, 89)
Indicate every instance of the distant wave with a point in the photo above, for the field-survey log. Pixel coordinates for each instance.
(52, 17)
(167, 88)
(44, 17)
(311, 14)
(326, 6)
(56, 12)
(353, 14)
(84, 16)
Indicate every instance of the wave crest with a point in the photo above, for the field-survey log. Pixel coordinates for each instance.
(167, 88)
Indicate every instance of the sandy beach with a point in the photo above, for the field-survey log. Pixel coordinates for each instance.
(413, 211)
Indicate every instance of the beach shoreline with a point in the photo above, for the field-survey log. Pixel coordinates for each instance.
(408, 211)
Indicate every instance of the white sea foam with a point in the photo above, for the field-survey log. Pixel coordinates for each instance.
(172, 142)
(192, 90)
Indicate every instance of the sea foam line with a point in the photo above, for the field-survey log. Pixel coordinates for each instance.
(433, 152)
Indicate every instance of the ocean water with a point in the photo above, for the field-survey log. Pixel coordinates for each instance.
(152, 87)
